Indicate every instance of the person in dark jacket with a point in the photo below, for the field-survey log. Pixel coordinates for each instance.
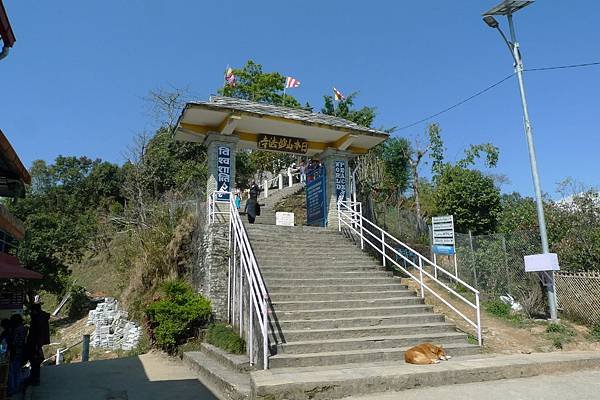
(251, 207)
(254, 191)
(39, 335)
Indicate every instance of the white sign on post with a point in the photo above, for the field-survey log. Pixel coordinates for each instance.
(284, 218)
(541, 262)
(443, 239)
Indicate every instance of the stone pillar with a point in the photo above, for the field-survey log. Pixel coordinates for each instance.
(221, 151)
(337, 181)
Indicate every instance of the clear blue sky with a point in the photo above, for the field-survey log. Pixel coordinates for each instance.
(74, 82)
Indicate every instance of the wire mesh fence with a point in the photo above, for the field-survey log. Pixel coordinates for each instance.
(578, 295)
(494, 264)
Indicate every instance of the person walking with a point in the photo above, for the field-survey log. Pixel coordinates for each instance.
(251, 208)
(254, 190)
(39, 335)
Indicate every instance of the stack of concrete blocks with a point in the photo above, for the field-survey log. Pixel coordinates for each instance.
(112, 329)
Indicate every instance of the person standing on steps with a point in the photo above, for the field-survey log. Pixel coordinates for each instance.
(252, 206)
(39, 335)
(302, 172)
(16, 349)
(254, 191)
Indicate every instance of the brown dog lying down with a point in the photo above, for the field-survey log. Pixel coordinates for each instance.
(425, 353)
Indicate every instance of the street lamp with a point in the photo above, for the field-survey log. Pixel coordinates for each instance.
(508, 8)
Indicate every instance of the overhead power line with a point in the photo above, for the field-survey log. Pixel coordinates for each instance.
(591, 64)
(457, 104)
(563, 67)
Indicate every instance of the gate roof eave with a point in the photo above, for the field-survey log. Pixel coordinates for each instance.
(247, 119)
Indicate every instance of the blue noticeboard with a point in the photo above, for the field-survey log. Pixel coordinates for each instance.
(445, 250)
(223, 171)
(315, 197)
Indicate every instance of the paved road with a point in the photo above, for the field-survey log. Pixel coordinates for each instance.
(583, 385)
(147, 377)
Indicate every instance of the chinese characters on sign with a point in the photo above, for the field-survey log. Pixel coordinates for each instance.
(282, 143)
(223, 171)
(340, 180)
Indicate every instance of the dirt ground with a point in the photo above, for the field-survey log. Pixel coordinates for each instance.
(509, 337)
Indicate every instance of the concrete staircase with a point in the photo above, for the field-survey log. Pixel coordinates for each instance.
(267, 213)
(333, 304)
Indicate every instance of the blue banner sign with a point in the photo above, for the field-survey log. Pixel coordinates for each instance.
(223, 171)
(315, 197)
(445, 250)
(340, 180)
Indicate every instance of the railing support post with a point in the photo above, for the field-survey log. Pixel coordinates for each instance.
(265, 332)
(58, 357)
(421, 277)
(362, 240)
(339, 214)
(290, 180)
(250, 324)
(479, 339)
(266, 188)
(383, 247)
(280, 181)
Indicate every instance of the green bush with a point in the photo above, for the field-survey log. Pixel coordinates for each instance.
(497, 308)
(79, 303)
(559, 334)
(224, 337)
(595, 331)
(173, 318)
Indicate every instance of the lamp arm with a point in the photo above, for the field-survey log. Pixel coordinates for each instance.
(509, 44)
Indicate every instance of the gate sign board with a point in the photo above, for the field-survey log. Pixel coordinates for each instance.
(282, 143)
(315, 197)
(443, 235)
(223, 171)
(541, 262)
(340, 180)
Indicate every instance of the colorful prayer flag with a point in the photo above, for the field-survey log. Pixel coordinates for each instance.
(337, 95)
(229, 77)
(291, 82)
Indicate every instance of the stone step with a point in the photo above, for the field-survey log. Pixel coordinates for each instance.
(228, 383)
(284, 296)
(332, 304)
(358, 356)
(298, 263)
(373, 379)
(310, 269)
(371, 342)
(289, 235)
(310, 255)
(333, 288)
(331, 281)
(348, 322)
(364, 331)
(345, 311)
(295, 274)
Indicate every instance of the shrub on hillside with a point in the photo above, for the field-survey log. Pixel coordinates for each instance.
(224, 337)
(173, 318)
(497, 308)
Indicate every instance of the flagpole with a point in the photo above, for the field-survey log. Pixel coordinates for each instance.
(284, 87)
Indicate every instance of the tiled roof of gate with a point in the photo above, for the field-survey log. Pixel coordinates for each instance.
(298, 114)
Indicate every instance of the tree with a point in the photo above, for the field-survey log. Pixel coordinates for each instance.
(254, 84)
(363, 116)
(394, 155)
(470, 196)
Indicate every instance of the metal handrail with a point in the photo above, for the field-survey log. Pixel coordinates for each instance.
(350, 215)
(247, 291)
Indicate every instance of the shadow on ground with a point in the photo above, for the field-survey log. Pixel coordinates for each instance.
(147, 377)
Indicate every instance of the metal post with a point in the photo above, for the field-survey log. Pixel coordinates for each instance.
(473, 258)
(455, 263)
(250, 323)
(241, 289)
(280, 181)
(383, 247)
(550, 287)
(479, 339)
(58, 357)
(360, 219)
(266, 188)
(434, 265)
(421, 277)
(339, 217)
(265, 334)
(85, 351)
(290, 180)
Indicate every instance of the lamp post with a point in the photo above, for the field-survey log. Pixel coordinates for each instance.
(508, 8)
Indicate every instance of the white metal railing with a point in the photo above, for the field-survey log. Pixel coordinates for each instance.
(247, 293)
(278, 180)
(350, 216)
